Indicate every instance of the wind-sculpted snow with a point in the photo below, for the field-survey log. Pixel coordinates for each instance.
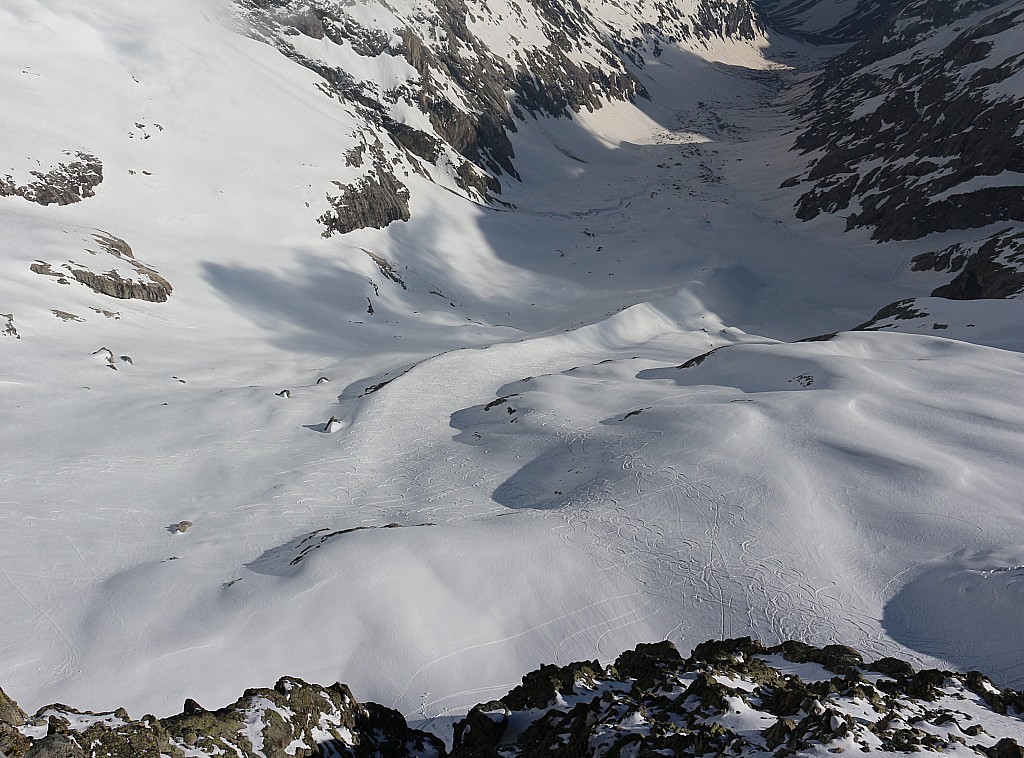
(468, 431)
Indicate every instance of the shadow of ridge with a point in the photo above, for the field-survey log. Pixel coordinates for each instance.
(968, 611)
(284, 560)
(554, 479)
(580, 251)
(313, 309)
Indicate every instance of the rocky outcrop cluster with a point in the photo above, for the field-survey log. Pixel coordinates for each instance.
(737, 697)
(728, 698)
(564, 60)
(65, 184)
(144, 284)
(992, 268)
(907, 123)
(293, 719)
(374, 201)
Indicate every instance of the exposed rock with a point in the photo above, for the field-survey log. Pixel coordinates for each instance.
(647, 663)
(108, 356)
(386, 268)
(65, 316)
(149, 285)
(482, 729)
(994, 270)
(839, 659)
(373, 202)
(1007, 747)
(693, 362)
(542, 686)
(914, 130)
(900, 310)
(56, 746)
(893, 667)
(65, 184)
(472, 96)
(182, 526)
(8, 324)
(44, 269)
(613, 713)
(13, 743)
(652, 702)
(10, 713)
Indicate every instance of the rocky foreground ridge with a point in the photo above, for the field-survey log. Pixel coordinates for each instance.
(731, 697)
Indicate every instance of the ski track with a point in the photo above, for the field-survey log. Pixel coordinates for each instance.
(680, 528)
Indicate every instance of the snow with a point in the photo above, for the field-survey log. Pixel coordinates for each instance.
(862, 490)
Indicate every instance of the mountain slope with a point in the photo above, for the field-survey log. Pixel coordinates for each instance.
(500, 287)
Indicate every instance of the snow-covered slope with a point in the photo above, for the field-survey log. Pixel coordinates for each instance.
(490, 241)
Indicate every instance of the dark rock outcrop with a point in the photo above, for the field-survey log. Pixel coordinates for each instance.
(473, 96)
(917, 130)
(653, 702)
(729, 697)
(374, 201)
(64, 184)
(149, 285)
(293, 719)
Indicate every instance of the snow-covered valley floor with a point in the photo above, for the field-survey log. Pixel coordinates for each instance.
(536, 476)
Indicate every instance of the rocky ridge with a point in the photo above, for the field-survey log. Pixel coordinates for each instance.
(453, 96)
(729, 697)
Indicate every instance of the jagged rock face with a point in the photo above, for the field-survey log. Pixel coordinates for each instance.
(461, 73)
(912, 122)
(851, 21)
(137, 281)
(729, 697)
(64, 184)
(990, 269)
(736, 697)
(294, 719)
(374, 201)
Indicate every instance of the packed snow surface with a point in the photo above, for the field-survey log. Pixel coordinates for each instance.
(521, 471)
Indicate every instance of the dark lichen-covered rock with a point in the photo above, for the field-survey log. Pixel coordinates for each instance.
(10, 713)
(540, 687)
(925, 684)
(726, 651)
(779, 733)
(998, 699)
(13, 743)
(1007, 747)
(839, 659)
(480, 732)
(648, 663)
(59, 746)
(651, 703)
(893, 667)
